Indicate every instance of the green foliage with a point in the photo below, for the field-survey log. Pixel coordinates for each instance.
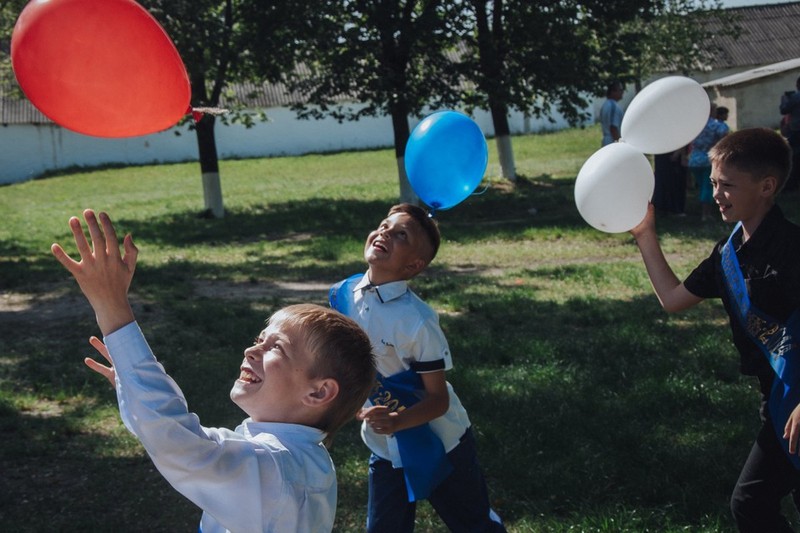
(594, 411)
(540, 56)
(668, 39)
(9, 11)
(388, 55)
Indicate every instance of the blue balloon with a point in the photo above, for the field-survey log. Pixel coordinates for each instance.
(446, 156)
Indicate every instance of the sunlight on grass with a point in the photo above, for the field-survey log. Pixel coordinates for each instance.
(594, 410)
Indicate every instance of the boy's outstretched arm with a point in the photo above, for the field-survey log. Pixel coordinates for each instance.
(668, 288)
(102, 273)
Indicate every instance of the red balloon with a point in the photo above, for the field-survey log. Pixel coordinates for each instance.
(99, 67)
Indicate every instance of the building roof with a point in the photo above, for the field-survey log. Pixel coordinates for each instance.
(768, 34)
(16, 110)
(754, 74)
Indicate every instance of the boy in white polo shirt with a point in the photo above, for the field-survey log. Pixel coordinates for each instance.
(414, 424)
(307, 373)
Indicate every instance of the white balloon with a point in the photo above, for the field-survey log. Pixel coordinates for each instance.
(614, 187)
(666, 115)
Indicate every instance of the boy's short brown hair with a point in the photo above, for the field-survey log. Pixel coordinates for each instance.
(760, 152)
(426, 222)
(341, 351)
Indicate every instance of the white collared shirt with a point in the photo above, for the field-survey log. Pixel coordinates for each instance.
(405, 333)
(260, 477)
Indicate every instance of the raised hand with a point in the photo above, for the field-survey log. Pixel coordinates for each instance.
(105, 371)
(102, 273)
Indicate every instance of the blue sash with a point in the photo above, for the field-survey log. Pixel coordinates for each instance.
(775, 340)
(425, 462)
(339, 295)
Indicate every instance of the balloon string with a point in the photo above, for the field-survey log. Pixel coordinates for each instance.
(198, 112)
(485, 188)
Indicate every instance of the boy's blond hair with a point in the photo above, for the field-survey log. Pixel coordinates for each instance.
(760, 152)
(341, 351)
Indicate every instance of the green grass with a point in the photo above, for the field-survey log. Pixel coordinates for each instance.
(594, 410)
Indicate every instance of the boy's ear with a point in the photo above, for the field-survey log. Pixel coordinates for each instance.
(416, 266)
(322, 393)
(769, 185)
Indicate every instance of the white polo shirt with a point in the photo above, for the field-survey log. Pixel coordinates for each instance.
(405, 334)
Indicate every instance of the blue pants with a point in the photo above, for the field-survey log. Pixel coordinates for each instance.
(461, 500)
(702, 178)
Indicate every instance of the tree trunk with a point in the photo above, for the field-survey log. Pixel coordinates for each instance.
(401, 135)
(209, 167)
(407, 194)
(505, 152)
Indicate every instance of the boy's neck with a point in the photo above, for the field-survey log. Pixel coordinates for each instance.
(750, 225)
(380, 278)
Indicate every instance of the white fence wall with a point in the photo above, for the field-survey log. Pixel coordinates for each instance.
(28, 151)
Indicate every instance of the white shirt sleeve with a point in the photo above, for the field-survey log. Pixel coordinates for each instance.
(427, 343)
(222, 472)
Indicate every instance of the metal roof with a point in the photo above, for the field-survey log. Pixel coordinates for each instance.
(768, 34)
(15, 109)
(754, 74)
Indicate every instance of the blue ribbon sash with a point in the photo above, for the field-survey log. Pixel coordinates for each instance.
(339, 295)
(425, 462)
(778, 343)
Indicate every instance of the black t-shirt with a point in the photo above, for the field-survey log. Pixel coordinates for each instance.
(770, 264)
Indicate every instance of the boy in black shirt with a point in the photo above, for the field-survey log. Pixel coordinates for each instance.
(756, 273)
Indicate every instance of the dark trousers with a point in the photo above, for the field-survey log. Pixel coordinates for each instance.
(766, 478)
(461, 500)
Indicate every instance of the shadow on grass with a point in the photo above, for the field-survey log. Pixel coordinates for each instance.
(576, 405)
(58, 477)
(583, 406)
(317, 229)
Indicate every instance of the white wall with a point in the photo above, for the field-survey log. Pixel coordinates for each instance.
(28, 151)
(755, 103)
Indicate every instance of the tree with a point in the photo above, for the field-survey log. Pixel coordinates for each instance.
(539, 56)
(387, 55)
(9, 11)
(222, 41)
(680, 37)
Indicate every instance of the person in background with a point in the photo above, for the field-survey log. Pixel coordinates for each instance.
(669, 193)
(790, 107)
(722, 113)
(699, 163)
(611, 113)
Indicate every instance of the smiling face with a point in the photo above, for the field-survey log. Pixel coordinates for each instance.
(274, 376)
(740, 196)
(397, 249)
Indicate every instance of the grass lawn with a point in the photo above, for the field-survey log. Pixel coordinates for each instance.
(594, 410)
